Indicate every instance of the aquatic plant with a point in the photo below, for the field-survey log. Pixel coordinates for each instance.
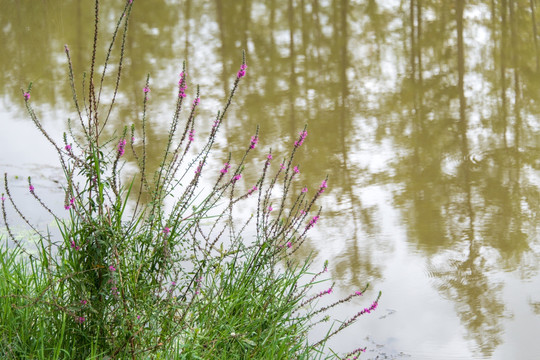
(173, 277)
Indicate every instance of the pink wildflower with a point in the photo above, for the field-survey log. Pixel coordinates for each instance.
(301, 139)
(68, 148)
(166, 230)
(146, 89)
(323, 186)
(182, 85)
(312, 222)
(358, 293)
(26, 96)
(226, 168)
(254, 141)
(84, 302)
(81, 319)
(196, 101)
(191, 135)
(304, 190)
(242, 72)
(31, 188)
(289, 244)
(296, 170)
(269, 157)
(282, 166)
(121, 147)
(270, 208)
(237, 177)
(112, 268)
(199, 168)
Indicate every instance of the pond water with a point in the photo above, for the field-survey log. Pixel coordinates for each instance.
(424, 114)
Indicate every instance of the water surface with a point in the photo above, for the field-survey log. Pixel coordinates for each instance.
(423, 113)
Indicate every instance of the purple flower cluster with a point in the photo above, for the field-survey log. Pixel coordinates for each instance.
(242, 71)
(226, 168)
(70, 205)
(74, 246)
(312, 222)
(182, 85)
(236, 177)
(301, 139)
(255, 188)
(323, 186)
(121, 147)
(254, 141)
(26, 96)
(146, 89)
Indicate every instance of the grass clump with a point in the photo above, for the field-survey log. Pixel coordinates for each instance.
(177, 276)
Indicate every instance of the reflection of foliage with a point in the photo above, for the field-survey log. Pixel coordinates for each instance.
(476, 299)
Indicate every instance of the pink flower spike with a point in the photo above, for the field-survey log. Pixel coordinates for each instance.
(289, 244)
(81, 319)
(269, 157)
(301, 139)
(31, 188)
(254, 141)
(84, 302)
(3, 198)
(323, 186)
(358, 293)
(146, 89)
(196, 101)
(166, 230)
(312, 222)
(282, 166)
(67, 207)
(296, 170)
(26, 96)
(237, 177)
(112, 268)
(68, 147)
(226, 168)
(121, 147)
(304, 190)
(270, 208)
(191, 135)
(329, 291)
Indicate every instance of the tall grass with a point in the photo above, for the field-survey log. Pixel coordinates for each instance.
(174, 277)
